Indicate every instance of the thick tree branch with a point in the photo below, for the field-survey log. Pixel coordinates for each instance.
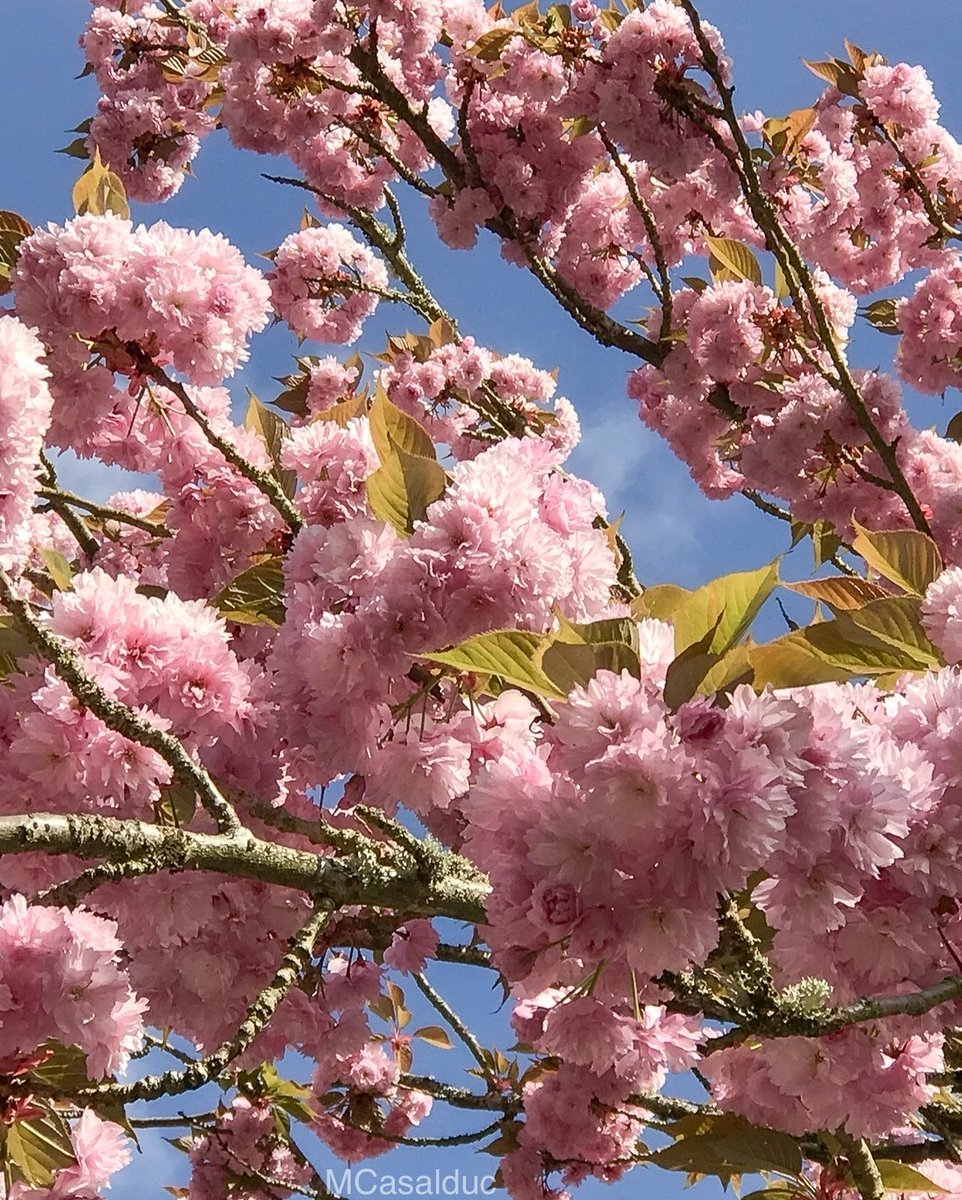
(819, 1024)
(338, 881)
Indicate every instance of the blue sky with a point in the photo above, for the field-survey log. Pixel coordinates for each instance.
(674, 532)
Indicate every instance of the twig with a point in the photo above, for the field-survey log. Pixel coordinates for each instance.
(205, 1070)
(864, 1169)
(71, 891)
(464, 1033)
(117, 716)
(265, 483)
(57, 496)
(831, 1020)
(793, 265)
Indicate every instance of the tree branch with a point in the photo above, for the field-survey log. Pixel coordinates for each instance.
(338, 881)
(262, 1008)
(117, 716)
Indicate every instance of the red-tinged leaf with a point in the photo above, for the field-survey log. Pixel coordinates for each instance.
(434, 1035)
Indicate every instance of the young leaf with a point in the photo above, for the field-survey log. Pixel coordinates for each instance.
(895, 621)
(273, 430)
(99, 191)
(511, 654)
(255, 596)
(900, 1177)
(65, 1068)
(434, 1035)
(727, 1145)
(570, 664)
(791, 661)
(882, 315)
(403, 488)
(659, 601)
(13, 229)
(690, 667)
(727, 605)
(344, 411)
(836, 73)
(838, 591)
(905, 557)
(39, 1147)
(58, 568)
(732, 260)
(392, 427)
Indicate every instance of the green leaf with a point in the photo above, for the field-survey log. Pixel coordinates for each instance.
(905, 557)
(782, 290)
(434, 1035)
(784, 134)
(489, 45)
(404, 486)
(727, 605)
(38, 1148)
(57, 568)
(570, 664)
(75, 149)
(511, 655)
(176, 806)
(99, 191)
(732, 260)
(727, 1145)
(953, 431)
(659, 601)
(791, 661)
(345, 411)
(900, 1177)
(382, 1007)
(778, 1191)
(895, 621)
(731, 669)
(883, 637)
(13, 645)
(614, 629)
(65, 1067)
(392, 427)
(575, 653)
(836, 73)
(838, 591)
(273, 430)
(255, 596)
(690, 667)
(882, 315)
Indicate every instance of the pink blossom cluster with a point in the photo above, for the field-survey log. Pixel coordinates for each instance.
(942, 613)
(448, 386)
(156, 88)
(325, 283)
(862, 1080)
(60, 980)
(183, 298)
(244, 1147)
(583, 1109)
(25, 407)
(166, 658)
(510, 541)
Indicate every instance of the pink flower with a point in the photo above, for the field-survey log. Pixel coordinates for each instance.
(325, 283)
(25, 408)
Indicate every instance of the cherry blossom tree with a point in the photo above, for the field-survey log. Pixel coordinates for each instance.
(367, 682)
